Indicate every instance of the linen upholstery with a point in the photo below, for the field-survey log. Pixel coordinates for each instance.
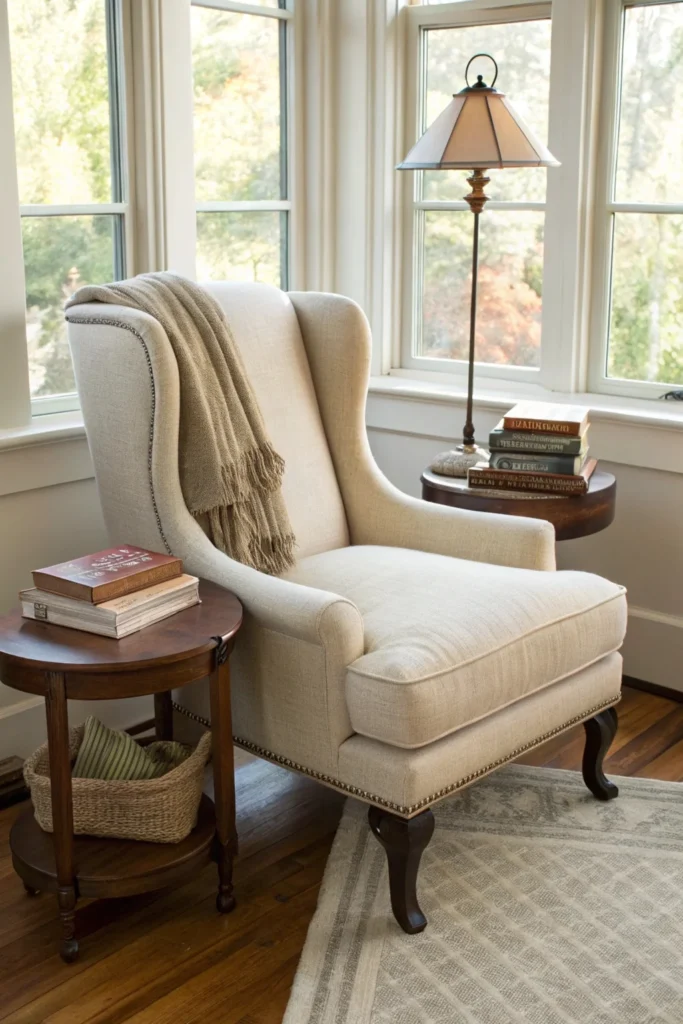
(267, 334)
(448, 641)
(410, 780)
(230, 473)
(336, 334)
(290, 665)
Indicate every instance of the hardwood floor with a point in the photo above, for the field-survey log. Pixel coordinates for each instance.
(170, 959)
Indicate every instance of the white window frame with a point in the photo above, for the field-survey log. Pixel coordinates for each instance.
(585, 72)
(49, 404)
(419, 20)
(285, 16)
(606, 208)
(159, 207)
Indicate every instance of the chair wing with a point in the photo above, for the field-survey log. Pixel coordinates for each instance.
(337, 339)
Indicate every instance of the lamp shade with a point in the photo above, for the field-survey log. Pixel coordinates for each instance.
(478, 128)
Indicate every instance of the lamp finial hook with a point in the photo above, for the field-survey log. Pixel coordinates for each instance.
(481, 84)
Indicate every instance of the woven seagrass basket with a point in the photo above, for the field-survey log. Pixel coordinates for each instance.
(162, 810)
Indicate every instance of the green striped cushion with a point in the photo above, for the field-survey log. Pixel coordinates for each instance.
(108, 754)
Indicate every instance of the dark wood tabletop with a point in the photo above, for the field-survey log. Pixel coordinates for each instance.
(572, 515)
(155, 659)
(178, 637)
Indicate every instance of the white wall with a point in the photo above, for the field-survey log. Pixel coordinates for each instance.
(41, 526)
(642, 549)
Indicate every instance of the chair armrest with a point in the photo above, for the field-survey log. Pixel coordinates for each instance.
(398, 520)
(304, 613)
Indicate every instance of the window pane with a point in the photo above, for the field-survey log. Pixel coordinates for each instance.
(522, 50)
(61, 100)
(242, 247)
(237, 115)
(60, 255)
(510, 279)
(646, 325)
(650, 151)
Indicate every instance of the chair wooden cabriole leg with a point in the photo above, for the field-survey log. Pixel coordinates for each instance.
(600, 731)
(404, 841)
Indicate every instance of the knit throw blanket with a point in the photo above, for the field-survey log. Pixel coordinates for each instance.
(229, 471)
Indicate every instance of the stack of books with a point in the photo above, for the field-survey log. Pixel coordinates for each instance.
(113, 593)
(538, 447)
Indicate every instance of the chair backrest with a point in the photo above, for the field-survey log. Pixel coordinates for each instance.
(266, 331)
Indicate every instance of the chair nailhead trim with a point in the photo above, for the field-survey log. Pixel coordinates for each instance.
(286, 762)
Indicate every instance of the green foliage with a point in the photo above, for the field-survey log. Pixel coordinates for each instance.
(236, 62)
(237, 112)
(61, 112)
(244, 246)
(61, 253)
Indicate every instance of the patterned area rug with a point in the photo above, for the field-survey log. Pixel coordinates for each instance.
(544, 906)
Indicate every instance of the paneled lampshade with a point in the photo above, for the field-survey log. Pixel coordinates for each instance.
(478, 128)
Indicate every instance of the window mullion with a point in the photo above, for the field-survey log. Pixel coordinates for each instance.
(181, 217)
(572, 98)
(603, 195)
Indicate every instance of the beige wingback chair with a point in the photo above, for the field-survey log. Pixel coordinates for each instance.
(413, 648)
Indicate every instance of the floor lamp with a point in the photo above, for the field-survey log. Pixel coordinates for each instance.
(478, 130)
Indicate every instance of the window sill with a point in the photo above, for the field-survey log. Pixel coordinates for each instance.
(630, 431)
(46, 429)
(51, 450)
(653, 412)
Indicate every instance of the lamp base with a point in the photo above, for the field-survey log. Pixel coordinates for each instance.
(458, 460)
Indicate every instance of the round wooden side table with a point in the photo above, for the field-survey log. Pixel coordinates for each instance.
(572, 516)
(61, 664)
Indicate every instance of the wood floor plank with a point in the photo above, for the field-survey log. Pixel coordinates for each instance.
(212, 993)
(165, 959)
(642, 750)
(667, 766)
(168, 958)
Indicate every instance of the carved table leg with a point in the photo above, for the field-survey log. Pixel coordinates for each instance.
(163, 715)
(600, 732)
(223, 776)
(404, 841)
(62, 810)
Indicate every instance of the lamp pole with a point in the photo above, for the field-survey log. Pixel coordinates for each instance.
(476, 200)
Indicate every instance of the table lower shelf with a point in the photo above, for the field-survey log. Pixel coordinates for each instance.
(112, 867)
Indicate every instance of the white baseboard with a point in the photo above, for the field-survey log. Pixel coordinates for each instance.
(22, 725)
(653, 649)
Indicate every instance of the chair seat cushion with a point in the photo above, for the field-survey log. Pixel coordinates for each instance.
(448, 641)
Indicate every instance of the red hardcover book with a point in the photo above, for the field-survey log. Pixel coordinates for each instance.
(108, 574)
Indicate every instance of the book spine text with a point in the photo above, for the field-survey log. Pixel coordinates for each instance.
(566, 465)
(509, 481)
(542, 426)
(536, 443)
